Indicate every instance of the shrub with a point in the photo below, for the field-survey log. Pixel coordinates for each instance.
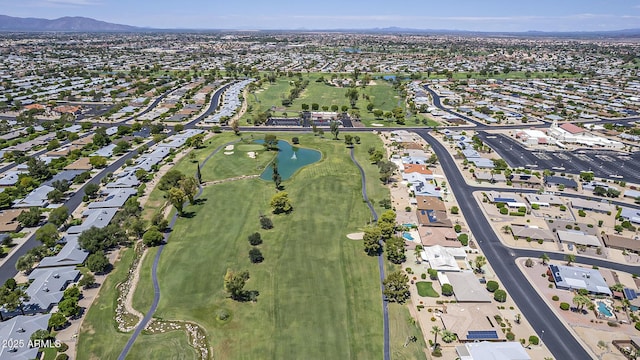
(457, 228)
(255, 255)
(528, 263)
(223, 315)
(555, 298)
(533, 340)
(63, 347)
(582, 213)
(407, 208)
(492, 285)
(637, 325)
(455, 210)
(568, 227)
(612, 323)
(564, 306)
(447, 290)
(464, 239)
(516, 213)
(265, 223)
(423, 276)
(500, 295)
(62, 357)
(563, 208)
(409, 270)
(535, 206)
(433, 274)
(504, 211)
(511, 336)
(255, 239)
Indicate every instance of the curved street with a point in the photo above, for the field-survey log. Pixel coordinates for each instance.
(502, 259)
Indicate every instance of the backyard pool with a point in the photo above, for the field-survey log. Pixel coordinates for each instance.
(290, 159)
(604, 309)
(407, 236)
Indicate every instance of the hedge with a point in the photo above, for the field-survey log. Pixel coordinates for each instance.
(564, 306)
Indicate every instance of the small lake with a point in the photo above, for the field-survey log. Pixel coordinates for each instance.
(290, 159)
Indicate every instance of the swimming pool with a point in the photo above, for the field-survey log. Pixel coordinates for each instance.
(407, 236)
(604, 309)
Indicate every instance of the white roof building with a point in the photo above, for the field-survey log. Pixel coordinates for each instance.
(486, 350)
(443, 258)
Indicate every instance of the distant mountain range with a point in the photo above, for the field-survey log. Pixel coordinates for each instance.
(83, 24)
(70, 24)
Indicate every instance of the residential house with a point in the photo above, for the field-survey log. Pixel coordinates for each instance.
(47, 287)
(36, 198)
(575, 278)
(98, 218)
(485, 350)
(70, 255)
(18, 330)
(9, 222)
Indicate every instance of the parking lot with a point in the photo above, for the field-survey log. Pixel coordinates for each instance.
(603, 163)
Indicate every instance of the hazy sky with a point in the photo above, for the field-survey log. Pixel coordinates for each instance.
(484, 15)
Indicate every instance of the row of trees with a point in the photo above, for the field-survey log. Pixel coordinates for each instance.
(178, 189)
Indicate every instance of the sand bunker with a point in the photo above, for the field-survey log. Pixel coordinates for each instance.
(356, 236)
(251, 154)
(376, 124)
(228, 152)
(229, 147)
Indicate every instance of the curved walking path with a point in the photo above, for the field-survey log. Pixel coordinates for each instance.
(128, 300)
(385, 307)
(154, 271)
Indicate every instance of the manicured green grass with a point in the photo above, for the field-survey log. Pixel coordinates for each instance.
(143, 293)
(99, 337)
(425, 288)
(50, 353)
(170, 345)
(382, 95)
(319, 293)
(188, 167)
(401, 327)
(223, 166)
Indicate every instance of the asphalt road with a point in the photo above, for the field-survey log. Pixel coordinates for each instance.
(603, 163)
(8, 269)
(556, 337)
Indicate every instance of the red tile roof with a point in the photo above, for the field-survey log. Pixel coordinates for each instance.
(572, 128)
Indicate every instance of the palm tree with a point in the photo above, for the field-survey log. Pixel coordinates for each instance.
(570, 258)
(435, 330)
(545, 258)
(417, 252)
(580, 301)
(506, 229)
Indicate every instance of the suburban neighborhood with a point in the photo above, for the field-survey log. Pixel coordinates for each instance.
(319, 194)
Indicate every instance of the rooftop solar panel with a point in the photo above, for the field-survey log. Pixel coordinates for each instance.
(630, 294)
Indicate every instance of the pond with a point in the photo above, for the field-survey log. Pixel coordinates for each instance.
(290, 159)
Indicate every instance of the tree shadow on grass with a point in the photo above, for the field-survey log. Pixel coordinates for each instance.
(199, 201)
(188, 214)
